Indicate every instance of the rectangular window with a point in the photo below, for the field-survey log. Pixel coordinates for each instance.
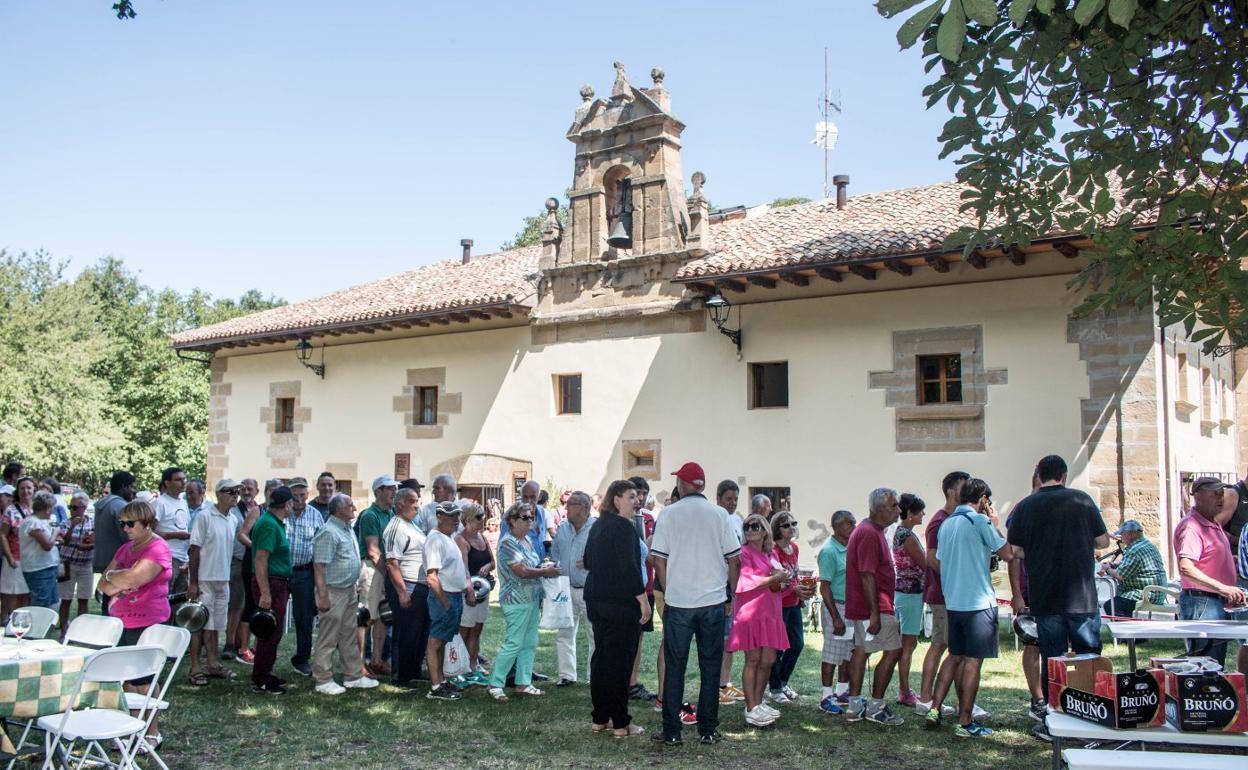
(1206, 394)
(343, 486)
(769, 385)
(285, 415)
(426, 412)
(940, 379)
(1180, 371)
(567, 394)
(779, 496)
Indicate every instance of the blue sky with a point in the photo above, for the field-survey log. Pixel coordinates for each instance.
(299, 147)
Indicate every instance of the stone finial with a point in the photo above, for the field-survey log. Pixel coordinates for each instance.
(620, 89)
(698, 241)
(552, 231)
(657, 76)
(587, 93)
(697, 196)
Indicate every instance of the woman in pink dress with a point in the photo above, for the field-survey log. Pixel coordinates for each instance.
(757, 624)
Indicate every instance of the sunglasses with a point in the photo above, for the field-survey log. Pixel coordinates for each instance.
(452, 514)
(754, 527)
(231, 492)
(525, 518)
(128, 523)
(77, 507)
(787, 525)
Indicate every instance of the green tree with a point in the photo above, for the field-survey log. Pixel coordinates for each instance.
(531, 233)
(780, 203)
(1125, 120)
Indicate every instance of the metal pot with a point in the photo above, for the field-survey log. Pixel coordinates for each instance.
(1025, 629)
(361, 615)
(481, 588)
(263, 623)
(192, 616)
(384, 613)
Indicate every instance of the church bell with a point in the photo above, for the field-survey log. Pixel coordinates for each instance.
(621, 236)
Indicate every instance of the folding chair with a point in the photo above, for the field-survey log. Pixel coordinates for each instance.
(95, 726)
(95, 631)
(174, 641)
(42, 620)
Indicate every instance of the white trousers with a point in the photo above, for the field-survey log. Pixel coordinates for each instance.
(565, 638)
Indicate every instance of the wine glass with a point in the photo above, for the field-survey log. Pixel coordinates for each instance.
(19, 624)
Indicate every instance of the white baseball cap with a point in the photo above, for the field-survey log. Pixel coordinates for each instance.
(7, 489)
(384, 480)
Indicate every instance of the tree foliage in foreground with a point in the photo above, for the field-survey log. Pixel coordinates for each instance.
(1063, 109)
(89, 383)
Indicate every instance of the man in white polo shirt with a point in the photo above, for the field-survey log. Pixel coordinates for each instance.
(697, 559)
(212, 539)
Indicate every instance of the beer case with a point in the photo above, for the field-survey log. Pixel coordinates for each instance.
(1206, 701)
(1087, 687)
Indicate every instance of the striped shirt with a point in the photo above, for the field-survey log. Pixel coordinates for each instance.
(72, 549)
(334, 546)
(1243, 554)
(1141, 566)
(301, 529)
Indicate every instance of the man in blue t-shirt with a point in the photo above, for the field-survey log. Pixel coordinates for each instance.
(968, 540)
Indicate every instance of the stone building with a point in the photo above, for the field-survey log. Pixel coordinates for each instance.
(855, 352)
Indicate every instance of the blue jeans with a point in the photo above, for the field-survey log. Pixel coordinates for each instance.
(786, 660)
(680, 627)
(1080, 632)
(42, 585)
(1199, 607)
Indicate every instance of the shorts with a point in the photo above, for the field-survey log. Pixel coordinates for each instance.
(836, 651)
(372, 588)
(215, 596)
(888, 638)
(973, 634)
(649, 624)
(940, 625)
(238, 589)
(474, 615)
(12, 582)
(80, 584)
(444, 621)
(909, 612)
(42, 583)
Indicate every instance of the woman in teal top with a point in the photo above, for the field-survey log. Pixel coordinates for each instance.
(519, 597)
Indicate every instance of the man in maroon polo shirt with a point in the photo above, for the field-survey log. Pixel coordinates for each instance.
(869, 584)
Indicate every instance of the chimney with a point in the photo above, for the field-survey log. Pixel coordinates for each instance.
(842, 184)
(467, 244)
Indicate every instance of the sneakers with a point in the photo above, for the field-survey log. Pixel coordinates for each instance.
(710, 739)
(735, 693)
(269, 688)
(330, 688)
(778, 696)
(828, 706)
(460, 682)
(885, 716)
(659, 737)
(639, 692)
(565, 682)
(790, 693)
(768, 709)
(973, 730)
(303, 669)
(444, 691)
(478, 678)
(1038, 710)
(907, 699)
(922, 707)
(688, 714)
(725, 697)
(854, 712)
(228, 654)
(841, 699)
(758, 717)
(977, 713)
(1041, 732)
(932, 720)
(363, 683)
(247, 657)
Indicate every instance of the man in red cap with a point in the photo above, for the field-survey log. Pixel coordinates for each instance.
(696, 555)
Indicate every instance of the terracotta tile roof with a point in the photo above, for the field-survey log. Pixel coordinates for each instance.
(890, 223)
(491, 279)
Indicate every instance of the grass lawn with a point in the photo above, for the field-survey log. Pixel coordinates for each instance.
(225, 725)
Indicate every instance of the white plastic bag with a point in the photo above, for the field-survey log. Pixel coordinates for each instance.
(557, 606)
(455, 658)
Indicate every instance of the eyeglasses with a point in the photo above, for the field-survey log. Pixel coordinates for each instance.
(787, 525)
(230, 492)
(525, 518)
(128, 523)
(754, 527)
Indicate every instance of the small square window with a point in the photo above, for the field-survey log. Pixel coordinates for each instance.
(285, 416)
(781, 497)
(769, 385)
(343, 486)
(426, 412)
(567, 394)
(940, 379)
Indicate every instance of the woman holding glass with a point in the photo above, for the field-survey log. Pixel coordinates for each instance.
(519, 597)
(42, 559)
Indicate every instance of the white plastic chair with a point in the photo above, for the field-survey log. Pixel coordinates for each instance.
(97, 725)
(95, 631)
(174, 641)
(42, 620)
(1146, 608)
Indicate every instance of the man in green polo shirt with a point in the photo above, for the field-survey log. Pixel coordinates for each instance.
(368, 528)
(270, 553)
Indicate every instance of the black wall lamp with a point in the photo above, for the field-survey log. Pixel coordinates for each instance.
(720, 309)
(304, 351)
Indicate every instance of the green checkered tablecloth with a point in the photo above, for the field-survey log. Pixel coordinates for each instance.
(44, 680)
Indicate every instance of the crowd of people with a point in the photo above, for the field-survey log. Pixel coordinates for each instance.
(392, 589)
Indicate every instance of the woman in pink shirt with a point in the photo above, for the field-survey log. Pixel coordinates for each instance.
(757, 624)
(137, 579)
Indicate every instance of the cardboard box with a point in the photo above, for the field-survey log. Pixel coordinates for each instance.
(1206, 702)
(1086, 686)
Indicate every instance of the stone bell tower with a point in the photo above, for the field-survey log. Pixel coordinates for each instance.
(629, 226)
(627, 197)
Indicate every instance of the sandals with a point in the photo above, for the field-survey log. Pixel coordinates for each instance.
(529, 689)
(220, 672)
(199, 679)
(597, 728)
(498, 694)
(632, 731)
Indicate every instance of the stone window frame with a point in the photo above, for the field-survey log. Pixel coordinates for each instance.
(938, 427)
(632, 449)
(405, 402)
(283, 449)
